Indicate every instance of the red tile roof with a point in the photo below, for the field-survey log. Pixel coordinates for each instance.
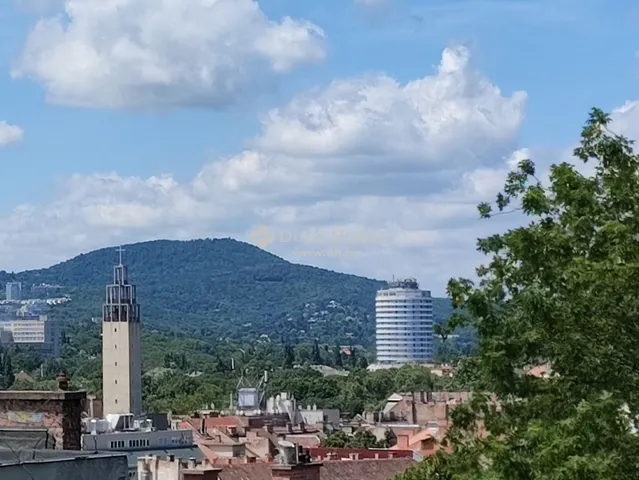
(343, 470)
(214, 422)
(307, 441)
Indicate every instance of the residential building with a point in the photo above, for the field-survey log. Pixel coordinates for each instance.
(37, 331)
(121, 352)
(311, 415)
(137, 438)
(404, 323)
(14, 291)
(419, 408)
(122, 433)
(286, 404)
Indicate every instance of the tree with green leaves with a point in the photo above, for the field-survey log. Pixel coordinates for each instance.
(361, 439)
(563, 290)
(289, 356)
(316, 356)
(6, 371)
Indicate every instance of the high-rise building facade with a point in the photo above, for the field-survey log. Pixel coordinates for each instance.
(14, 291)
(404, 323)
(37, 331)
(121, 352)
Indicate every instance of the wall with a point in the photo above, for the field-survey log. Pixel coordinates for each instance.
(98, 468)
(59, 412)
(157, 439)
(316, 417)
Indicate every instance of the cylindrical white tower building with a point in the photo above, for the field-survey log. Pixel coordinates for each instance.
(404, 323)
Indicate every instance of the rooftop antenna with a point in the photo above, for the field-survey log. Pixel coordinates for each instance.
(120, 250)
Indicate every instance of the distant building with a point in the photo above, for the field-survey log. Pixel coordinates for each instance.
(124, 434)
(404, 323)
(36, 331)
(14, 291)
(121, 352)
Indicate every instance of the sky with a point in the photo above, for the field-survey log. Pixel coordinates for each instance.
(354, 135)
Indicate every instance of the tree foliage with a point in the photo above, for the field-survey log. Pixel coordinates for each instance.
(6, 370)
(563, 289)
(224, 290)
(183, 374)
(361, 439)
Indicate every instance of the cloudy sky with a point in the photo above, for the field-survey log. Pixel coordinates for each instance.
(356, 135)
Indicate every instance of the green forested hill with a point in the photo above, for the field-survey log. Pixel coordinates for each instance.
(231, 288)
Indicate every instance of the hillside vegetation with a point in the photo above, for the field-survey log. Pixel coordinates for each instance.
(223, 287)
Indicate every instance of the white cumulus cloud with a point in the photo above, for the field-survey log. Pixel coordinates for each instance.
(9, 133)
(387, 173)
(136, 53)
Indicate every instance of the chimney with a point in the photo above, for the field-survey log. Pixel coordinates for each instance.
(63, 381)
(391, 455)
(145, 474)
(301, 471)
(353, 456)
(413, 410)
(171, 458)
(192, 463)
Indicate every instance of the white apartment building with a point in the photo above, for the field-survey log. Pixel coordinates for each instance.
(39, 332)
(404, 323)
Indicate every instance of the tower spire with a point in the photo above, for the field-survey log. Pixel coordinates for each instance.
(120, 251)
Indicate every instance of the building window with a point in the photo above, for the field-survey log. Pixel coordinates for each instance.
(116, 401)
(116, 382)
(116, 364)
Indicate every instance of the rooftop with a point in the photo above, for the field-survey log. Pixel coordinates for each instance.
(42, 395)
(342, 470)
(12, 457)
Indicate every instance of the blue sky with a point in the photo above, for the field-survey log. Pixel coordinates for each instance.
(95, 131)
